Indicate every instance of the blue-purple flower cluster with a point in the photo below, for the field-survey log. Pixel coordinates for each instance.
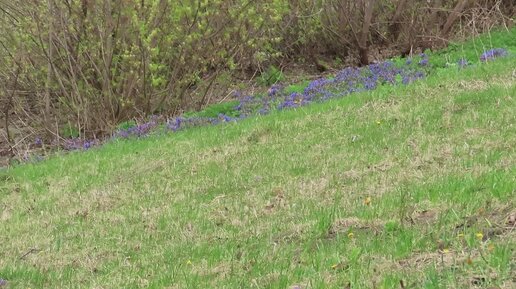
(463, 63)
(78, 143)
(424, 60)
(181, 122)
(250, 105)
(345, 82)
(493, 53)
(139, 130)
(486, 56)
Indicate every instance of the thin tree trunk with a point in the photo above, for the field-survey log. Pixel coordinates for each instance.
(434, 13)
(395, 26)
(431, 32)
(454, 15)
(107, 55)
(50, 73)
(143, 60)
(9, 104)
(362, 43)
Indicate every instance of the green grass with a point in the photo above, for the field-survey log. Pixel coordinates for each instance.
(226, 108)
(297, 87)
(412, 183)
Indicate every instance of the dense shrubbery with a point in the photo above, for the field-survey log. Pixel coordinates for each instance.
(99, 63)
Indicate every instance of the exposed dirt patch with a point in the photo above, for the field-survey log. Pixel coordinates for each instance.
(293, 234)
(424, 217)
(344, 226)
(495, 221)
(278, 201)
(463, 261)
(443, 258)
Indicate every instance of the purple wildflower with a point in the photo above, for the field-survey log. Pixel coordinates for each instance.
(175, 125)
(246, 104)
(123, 134)
(423, 62)
(369, 83)
(274, 90)
(140, 130)
(291, 101)
(263, 111)
(77, 144)
(406, 79)
(225, 118)
(463, 62)
(492, 54)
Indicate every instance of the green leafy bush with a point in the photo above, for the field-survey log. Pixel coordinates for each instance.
(69, 131)
(214, 110)
(126, 125)
(271, 76)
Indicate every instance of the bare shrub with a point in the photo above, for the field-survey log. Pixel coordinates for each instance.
(96, 63)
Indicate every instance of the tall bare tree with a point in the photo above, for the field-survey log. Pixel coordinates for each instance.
(364, 33)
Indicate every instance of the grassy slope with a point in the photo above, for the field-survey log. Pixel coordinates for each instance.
(281, 200)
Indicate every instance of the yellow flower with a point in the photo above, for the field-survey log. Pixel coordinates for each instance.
(334, 266)
(460, 235)
(189, 262)
(367, 201)
(479, 236)
(351, 235)
(446, 251)
(378, 122)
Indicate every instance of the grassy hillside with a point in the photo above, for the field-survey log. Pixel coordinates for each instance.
(400, 187)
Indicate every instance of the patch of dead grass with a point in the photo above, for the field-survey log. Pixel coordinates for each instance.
(345, 225)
